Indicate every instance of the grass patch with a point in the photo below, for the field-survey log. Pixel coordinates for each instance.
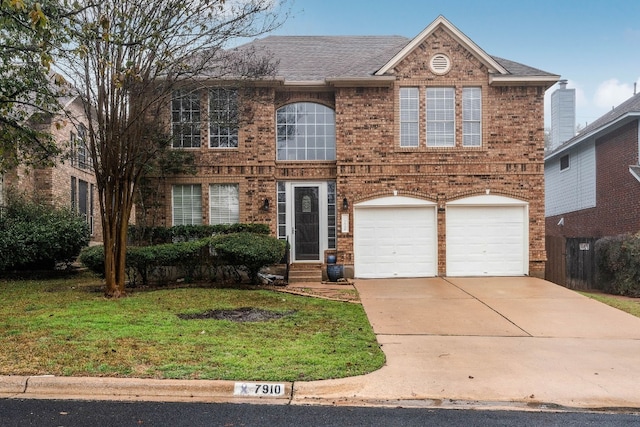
(64, 327)
(627, 304)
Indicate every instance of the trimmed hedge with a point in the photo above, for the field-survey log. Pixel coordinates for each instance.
(193, 259)
(618, 264)
(250, 250)
(140, 236)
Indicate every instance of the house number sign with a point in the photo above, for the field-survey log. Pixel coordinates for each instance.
(258, 389)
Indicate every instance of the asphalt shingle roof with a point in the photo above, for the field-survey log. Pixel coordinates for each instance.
(316, 58)
(630, 106)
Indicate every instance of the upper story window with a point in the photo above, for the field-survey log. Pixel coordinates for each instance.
(80, 156)
(441, 113)
(306, 131)
(185, 119)
(471, 117)
(564, 162)
(409, 117)
(223, 118)
(439, 118)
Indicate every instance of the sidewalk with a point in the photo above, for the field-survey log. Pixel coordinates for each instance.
(508, 343)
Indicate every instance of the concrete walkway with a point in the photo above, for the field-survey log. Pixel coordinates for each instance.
(500, 342)
(519, 343)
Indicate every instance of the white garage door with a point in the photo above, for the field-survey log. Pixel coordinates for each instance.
(489, 240)
(395, 241)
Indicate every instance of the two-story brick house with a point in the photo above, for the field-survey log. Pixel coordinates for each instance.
(404, 157)
(70, 182)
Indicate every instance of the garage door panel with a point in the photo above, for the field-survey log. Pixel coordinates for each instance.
(486, 240)
(395, 242)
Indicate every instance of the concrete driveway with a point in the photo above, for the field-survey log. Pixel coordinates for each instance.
(505, 342)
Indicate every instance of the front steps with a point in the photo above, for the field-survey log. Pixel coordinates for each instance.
(305, 273)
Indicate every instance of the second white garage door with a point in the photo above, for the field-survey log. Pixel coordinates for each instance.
(487, 236)
(395, 237)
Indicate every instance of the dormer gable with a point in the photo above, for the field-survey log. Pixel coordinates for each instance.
(492, 65)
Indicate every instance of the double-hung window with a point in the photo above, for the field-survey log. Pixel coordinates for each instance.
(224, 205)
(471, 117)
(185, 119)
(187, 204)
(409, 117)
(223, 118)
(441, 111)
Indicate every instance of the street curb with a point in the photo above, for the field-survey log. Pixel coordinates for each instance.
(106, 388)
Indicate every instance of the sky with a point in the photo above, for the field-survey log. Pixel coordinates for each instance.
(595, 45)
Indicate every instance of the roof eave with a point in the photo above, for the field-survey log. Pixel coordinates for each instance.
(374, 81)
(500, 80)
(595, 133)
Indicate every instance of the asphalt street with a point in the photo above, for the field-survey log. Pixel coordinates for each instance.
(74, 413)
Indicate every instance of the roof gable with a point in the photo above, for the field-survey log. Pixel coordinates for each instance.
(441, 22)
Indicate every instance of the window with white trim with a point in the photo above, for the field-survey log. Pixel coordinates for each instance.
(187, 204)
(185, 119)
(306, 131)
(471, 116)
(223, 118)
(409, 117)
(440, 113)
(224, 204)
(564, 162)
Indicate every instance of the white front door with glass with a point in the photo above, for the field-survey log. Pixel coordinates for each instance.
(306, 218)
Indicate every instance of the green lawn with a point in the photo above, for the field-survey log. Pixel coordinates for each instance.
(630, 305)
(66, 327)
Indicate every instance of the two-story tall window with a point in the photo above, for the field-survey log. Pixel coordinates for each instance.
(223, 118)
(185, 119)
(224, 205)
(471, 116)
(441, 113)
(187, 204)
(409, 117)
(306, 131)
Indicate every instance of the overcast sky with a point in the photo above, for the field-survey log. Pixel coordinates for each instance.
(593, 44)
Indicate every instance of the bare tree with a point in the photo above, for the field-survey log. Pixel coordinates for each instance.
(127, 57)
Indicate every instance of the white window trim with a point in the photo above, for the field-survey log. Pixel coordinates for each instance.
(479, 120)
(402, 90)
(194, 214)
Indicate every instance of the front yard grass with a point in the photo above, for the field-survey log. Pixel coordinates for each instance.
(66, 327)
(627, 304)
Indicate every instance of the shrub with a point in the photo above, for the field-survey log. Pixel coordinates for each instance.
(34, 235)
(618, 264)
(250, 250)
(158, 235)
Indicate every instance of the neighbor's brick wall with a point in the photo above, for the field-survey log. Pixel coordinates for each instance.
(53, 184)
(616, 210)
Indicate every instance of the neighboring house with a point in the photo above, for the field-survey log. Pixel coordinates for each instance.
(404, 157)
(71, 182)
(593, 180)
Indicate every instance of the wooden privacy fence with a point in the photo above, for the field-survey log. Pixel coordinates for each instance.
(571, 262)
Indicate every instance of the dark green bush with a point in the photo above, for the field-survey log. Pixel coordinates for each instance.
(37, 236)
(250, 250)
(618, 264)
(140, 260)
(159, 235)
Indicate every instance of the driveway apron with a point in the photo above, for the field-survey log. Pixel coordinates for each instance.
(503, 341)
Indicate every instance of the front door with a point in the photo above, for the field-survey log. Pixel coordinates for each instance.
(307, 223)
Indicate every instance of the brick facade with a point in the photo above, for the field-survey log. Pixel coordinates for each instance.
(53, 184)
(616, 210)
(371, 163)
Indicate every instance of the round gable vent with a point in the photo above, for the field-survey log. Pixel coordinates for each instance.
(440, 63)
